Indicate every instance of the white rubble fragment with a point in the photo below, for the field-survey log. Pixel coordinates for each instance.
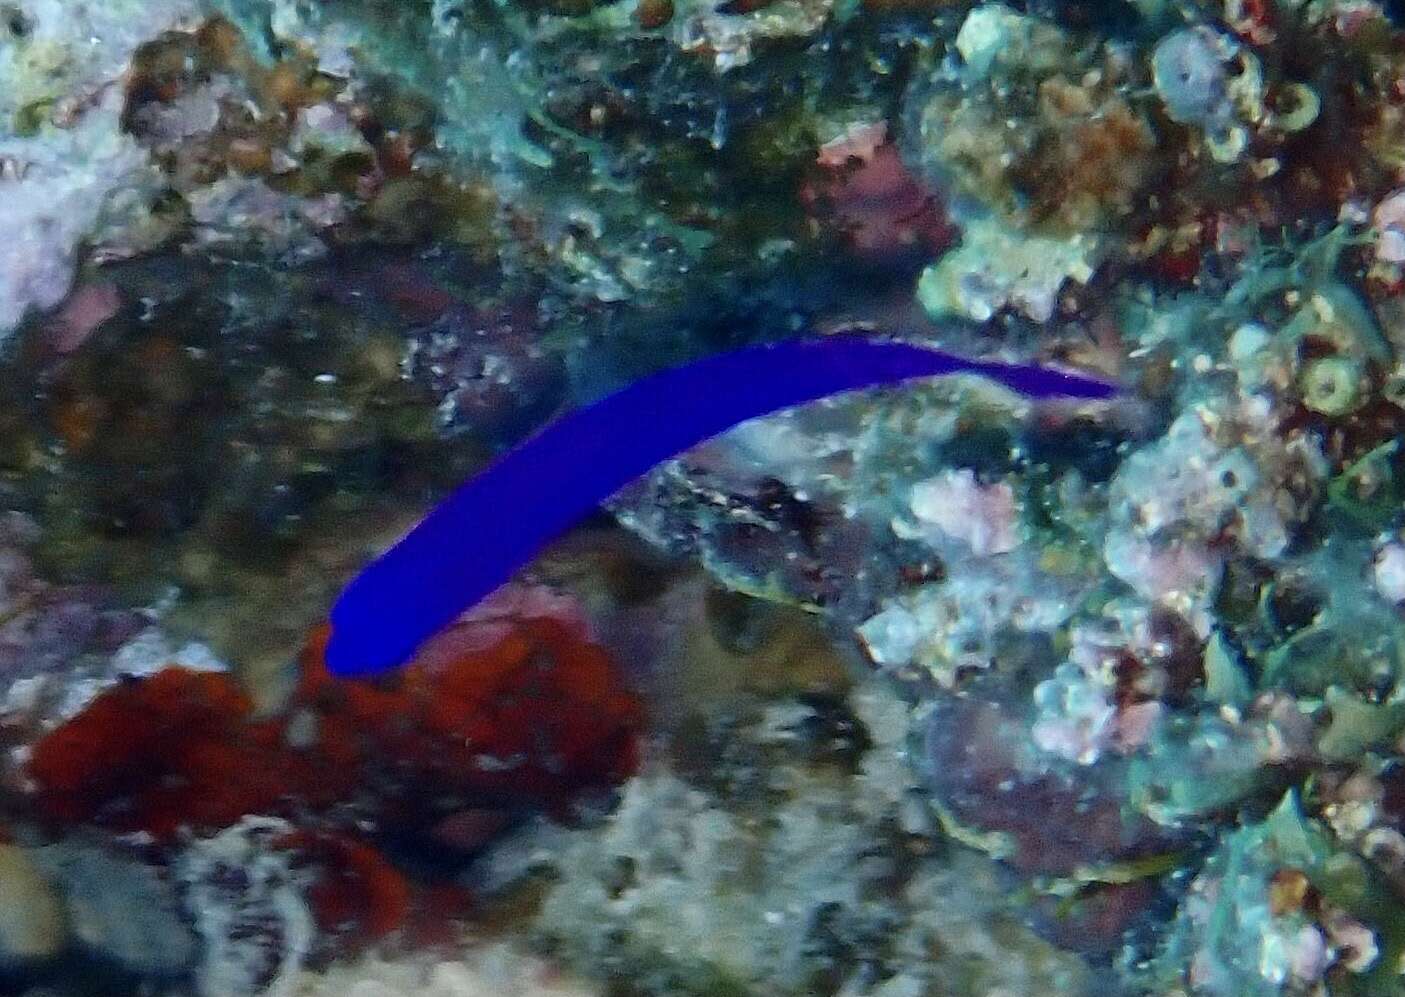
(1388, 572)
(1079, 715)
(150, 651)
(952, 627)
(995, 267)
(1218, 474)
(1389, 220)
(76, 172)
(57, 189)
(249, 908)
(983, 517)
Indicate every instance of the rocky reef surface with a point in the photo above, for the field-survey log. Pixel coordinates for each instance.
(920, 691)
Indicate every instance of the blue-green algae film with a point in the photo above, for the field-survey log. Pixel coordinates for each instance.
(932, 689)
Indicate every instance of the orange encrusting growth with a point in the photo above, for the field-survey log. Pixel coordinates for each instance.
(537, 715)
(158, 753)
(357, 896)
(522, 721)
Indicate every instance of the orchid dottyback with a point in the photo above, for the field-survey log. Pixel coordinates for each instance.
(491, 526)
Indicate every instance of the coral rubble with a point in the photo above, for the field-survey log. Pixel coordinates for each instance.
(924, 690)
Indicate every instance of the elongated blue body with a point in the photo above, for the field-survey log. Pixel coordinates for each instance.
(479, 536)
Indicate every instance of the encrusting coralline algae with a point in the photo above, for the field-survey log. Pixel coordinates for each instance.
(928, 690)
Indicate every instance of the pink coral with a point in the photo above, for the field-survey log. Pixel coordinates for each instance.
(87, 308)
(1389, 219)
(984, 517)
(864, 190)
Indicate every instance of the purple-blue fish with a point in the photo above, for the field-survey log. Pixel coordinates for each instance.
(479, 536)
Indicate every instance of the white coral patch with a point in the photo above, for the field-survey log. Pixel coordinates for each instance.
(984, 517)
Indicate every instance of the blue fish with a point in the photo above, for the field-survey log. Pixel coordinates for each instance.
(491, 526)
